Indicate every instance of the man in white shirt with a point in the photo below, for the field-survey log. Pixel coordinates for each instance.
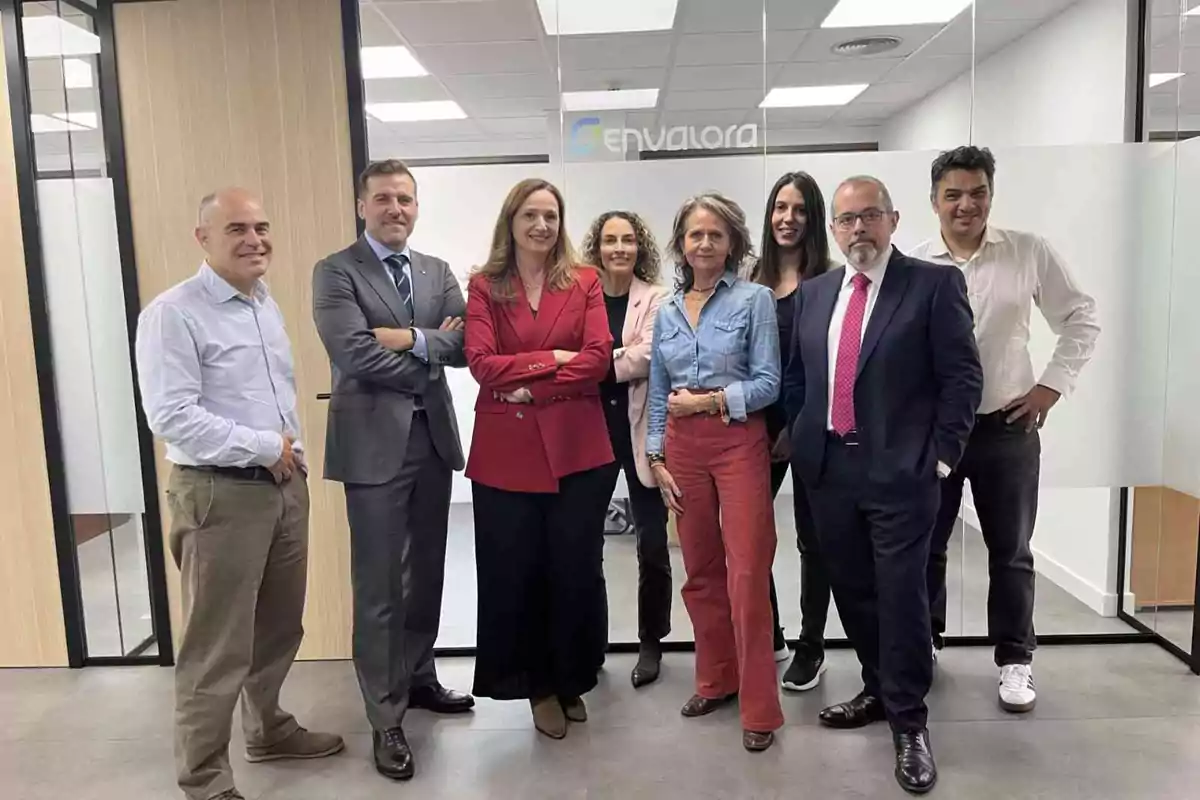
(215, 369)
(1007, 273)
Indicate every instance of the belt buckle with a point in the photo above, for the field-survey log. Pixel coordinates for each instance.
(850, 439)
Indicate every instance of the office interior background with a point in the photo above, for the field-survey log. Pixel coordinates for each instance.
(122, 114)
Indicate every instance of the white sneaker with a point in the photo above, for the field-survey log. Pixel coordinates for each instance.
(782, 654)
(1017, 692)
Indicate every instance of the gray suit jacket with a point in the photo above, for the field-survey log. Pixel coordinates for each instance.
(374, 388)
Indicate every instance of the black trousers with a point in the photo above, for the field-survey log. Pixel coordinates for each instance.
(814, 584)
(876, 548)
(650, 527)
(1003, 463)
(539, 564)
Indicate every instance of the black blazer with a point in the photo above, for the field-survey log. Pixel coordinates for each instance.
(919, 379)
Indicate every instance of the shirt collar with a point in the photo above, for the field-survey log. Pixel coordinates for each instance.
(221, 290)
(874, 274)
(383, 252)
(991, 235)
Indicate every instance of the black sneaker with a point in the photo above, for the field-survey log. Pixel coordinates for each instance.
(804, 673)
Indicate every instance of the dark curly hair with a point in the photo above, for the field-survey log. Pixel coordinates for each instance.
(647, 267)
(969, 158)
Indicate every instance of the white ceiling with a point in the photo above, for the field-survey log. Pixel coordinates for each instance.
(494, 58)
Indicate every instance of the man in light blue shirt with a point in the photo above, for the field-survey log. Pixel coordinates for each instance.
(215, 371)
(391, 320)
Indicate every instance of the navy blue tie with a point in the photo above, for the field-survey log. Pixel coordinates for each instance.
(401, 279)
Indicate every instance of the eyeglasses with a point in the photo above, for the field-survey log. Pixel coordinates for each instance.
(872, 216)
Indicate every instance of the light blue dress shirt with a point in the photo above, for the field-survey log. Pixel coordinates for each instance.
(383, 252)
(216, 375)
(734, 347)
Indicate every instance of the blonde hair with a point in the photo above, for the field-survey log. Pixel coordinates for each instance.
(740, 246)
(502, 260)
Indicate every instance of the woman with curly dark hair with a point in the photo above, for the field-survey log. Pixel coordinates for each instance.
(621, 246)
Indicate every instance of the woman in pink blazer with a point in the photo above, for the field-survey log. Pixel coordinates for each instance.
(622, 247)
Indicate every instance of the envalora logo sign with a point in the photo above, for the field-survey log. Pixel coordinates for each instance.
(587, 136)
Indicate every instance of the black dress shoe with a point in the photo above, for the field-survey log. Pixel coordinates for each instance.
(393, 758)
(440, 700)
(858, 713)
(915, 770)
(648, 664)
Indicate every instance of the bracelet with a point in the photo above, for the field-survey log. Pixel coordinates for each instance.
(656, 459)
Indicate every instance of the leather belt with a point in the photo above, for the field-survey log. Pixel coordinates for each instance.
(240, 473)
(850, 439)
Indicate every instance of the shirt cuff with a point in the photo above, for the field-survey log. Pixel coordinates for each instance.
(943, 470)
(654, 445)
(1058, 379)
(269, 449)
(735, 401)
(420, 346)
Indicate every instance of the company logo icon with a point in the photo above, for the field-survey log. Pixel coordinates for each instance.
(585, 136)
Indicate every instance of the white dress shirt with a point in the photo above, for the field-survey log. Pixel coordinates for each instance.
(215, 369)
(875, 275)
(1011, 272)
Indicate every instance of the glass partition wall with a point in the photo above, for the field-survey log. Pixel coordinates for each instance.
(84, 304)
(637, 105)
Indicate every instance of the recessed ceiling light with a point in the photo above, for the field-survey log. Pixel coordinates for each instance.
(610, 100)
(44, 123)
(47, 37)
(86, 120)
(390, 62)
(872, 13)
(77, 74)
(577, 17)
(1159, 78)
(802, 96)
(416, 112)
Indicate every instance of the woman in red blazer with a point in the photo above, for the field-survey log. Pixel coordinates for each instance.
(538, 343)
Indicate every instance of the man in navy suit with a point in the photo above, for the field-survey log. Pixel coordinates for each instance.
(881, 393)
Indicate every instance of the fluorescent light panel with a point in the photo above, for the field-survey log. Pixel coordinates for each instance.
(49, 37)
(426, 111)
(390, 62)
(86, 120)
(579, 17)
(1159, 78)
(876, 13)
(807, 96)
(610, 100)
(1194, 12)
(77, 74)
(44, 123)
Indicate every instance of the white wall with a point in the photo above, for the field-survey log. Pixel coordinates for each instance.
(1062, 84)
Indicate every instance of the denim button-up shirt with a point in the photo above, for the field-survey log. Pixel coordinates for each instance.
(734, 347)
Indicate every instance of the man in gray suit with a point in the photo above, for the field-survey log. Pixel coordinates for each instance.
(391, 321)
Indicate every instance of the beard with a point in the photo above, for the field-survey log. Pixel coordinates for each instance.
(863, 254)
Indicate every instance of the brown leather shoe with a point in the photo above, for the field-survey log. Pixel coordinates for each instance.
(574, 709)
(756, 742)
(301, 744)
(700, 706)
(548, 717)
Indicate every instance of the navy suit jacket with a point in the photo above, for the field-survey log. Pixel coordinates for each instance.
(919, 379)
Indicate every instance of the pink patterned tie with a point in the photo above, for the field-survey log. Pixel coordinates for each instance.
(849, 347)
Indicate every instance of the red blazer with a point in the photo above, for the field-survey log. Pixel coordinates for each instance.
(528, 447)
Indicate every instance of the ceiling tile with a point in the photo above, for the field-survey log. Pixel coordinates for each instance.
(731, 76)
(836, 70)
(404, 90)
(485, 58)
(451, 23)
(989, 10)
(519, 84)
(743, 16)
(701, 49)
(632, 50)
(956, 39)
(895, 93)
(703, 101)
(596, 80)
(933, 69)
(509, 106)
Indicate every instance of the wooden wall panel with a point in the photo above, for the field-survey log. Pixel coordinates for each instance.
(31, 620)
(1166, 531)
(249, 93)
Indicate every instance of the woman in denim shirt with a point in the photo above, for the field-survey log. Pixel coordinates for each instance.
(713, 370)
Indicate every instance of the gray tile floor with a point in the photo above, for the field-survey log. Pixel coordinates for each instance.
(1114, 723)
(1056, 612)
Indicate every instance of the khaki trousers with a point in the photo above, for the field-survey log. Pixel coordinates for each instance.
(242, 550)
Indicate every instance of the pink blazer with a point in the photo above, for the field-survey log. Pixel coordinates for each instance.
(631, 363)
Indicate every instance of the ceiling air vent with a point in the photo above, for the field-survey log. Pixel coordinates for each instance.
(867, 46)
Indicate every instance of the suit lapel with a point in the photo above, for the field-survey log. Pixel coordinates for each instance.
(377, 277)
(549, 308)
(426, 287)
(638, 308)
(824, 305)
(891, 292)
